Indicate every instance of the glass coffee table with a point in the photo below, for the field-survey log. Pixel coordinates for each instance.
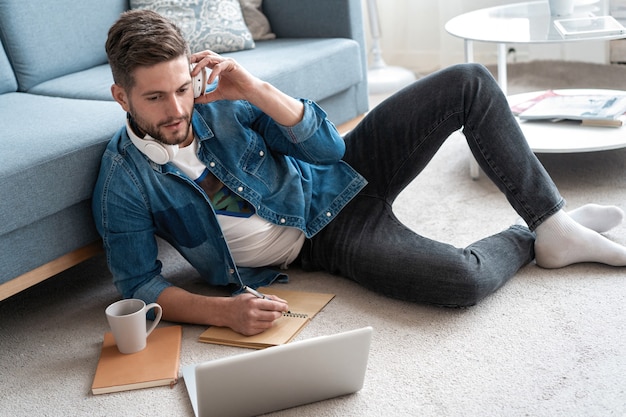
(531, 23)
(520, 23)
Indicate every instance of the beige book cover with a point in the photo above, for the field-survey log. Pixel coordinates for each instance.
(156, 365)
(303, 306)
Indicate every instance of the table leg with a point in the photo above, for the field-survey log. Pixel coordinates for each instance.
(502, 76)
(469, 50)
(469, 57)
(474, 168)
(502, 81)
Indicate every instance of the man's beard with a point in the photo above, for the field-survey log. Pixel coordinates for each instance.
(154, 130)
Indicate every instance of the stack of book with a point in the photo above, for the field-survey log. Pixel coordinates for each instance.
(593, 109)
(589, 26)
(156, 365)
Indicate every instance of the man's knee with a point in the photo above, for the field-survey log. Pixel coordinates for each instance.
(472, 285)
(473, 70)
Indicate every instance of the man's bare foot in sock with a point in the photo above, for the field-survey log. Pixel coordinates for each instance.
(598, 218)
(562, 241)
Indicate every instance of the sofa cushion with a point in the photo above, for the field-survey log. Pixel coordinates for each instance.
(49, 39)
(50, 152)
(90, 84)
(324, 69)
(217, 25)
(7, 77)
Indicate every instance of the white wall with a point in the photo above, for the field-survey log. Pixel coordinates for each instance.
(413, 36)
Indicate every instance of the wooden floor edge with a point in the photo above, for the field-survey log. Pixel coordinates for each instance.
(349, 125)
(48, 270)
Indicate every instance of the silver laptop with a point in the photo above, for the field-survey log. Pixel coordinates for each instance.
(281, 376)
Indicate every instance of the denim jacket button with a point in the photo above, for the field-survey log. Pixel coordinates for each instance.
(283, 221)
(231, 271)
(212, 164)
(240, 189)
(328, 214)
(261, 153)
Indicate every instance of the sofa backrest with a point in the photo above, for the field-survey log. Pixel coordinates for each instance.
(8, 83)
(48, 39)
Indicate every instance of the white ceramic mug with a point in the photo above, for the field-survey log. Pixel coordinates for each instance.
(561, 7)
(127, 319)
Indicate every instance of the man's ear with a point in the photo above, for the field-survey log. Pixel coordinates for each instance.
(119, 95)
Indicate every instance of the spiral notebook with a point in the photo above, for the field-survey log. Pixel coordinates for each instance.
(303, 306)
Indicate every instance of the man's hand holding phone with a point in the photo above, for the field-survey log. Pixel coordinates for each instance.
(235, 83)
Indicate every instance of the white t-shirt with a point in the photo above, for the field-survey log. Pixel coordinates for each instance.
(253, 241)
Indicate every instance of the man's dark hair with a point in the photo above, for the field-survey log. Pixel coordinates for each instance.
(142, 38)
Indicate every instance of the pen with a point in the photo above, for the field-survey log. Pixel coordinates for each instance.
(258, 294)
(255, 293)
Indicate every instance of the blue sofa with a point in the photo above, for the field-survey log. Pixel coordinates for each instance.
(57, 114)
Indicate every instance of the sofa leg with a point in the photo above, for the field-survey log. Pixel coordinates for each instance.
(48, 270)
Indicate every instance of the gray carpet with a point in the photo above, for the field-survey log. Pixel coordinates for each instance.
(543, 75)
(550, 343)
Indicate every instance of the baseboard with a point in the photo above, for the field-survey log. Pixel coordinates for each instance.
(48, 270)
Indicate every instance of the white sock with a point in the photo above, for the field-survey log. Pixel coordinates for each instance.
(561, 241)
(598, 218)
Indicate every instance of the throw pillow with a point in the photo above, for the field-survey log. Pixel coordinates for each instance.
(217, 25)
(256, 21)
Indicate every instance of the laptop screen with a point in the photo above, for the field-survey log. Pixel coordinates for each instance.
(281, 376)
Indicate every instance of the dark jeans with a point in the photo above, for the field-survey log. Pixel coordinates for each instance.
(390, 147)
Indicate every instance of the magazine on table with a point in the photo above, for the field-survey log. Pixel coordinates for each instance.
(591, 26)
(594, 109)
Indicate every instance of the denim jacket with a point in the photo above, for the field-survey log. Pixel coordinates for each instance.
(293, 176)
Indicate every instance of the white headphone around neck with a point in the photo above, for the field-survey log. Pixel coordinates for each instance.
(158, 152)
